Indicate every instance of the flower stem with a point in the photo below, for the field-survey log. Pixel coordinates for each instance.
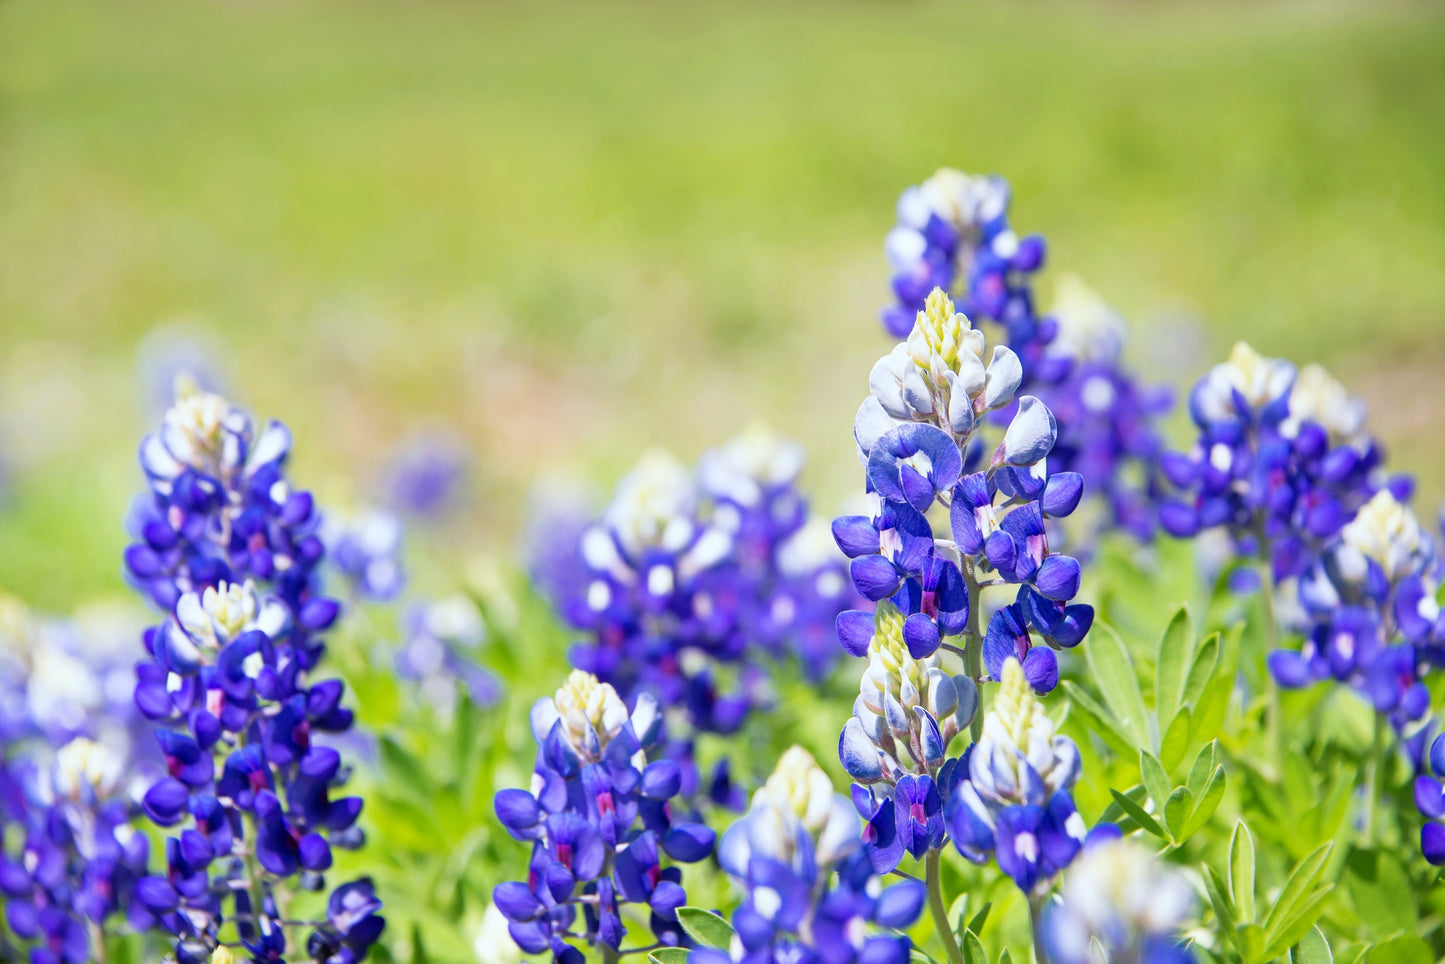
(1271, 629)
(973, 645)
(937, 909)
(1374, 781)
(609, 954)
(1036, 922)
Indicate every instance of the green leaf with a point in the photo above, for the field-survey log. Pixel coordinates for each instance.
(1206, 805)
(669, 955)
(979, 919)
(1224, 908)
(1241, 870)
(1176, 738)
(1383, 896)
(1140, 816)
(1299, 883)
(1176, 654)
(1100, 720)
(973, 952)
(1156, 781)
(1291, 931)
(705, 927)
(405, 772)
(1203, 768)
(1202, 670)
(1406, 949)
(1005, 957)
(1177, 811)
(1118, 682)
(1251, 943)
(1312, 949)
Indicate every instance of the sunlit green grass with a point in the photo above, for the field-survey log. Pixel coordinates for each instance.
(577, 230)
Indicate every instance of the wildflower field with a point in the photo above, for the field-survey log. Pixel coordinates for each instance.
(721, 483)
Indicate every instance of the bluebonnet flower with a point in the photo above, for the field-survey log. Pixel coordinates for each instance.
(907, 713)
(783, 578)
(1109, 429)
(1282, 462)
(231, 550)
(366, 550)
(1118, 898)
(785, 852)
(690, 586)
(427, 474)
(76, 861)
(220, 509)
(65, 678)
(1371, 620)
(1011, 797)
(442, 640)
(599, 818)
(918, 438)
(953, 233)
(1430, 800)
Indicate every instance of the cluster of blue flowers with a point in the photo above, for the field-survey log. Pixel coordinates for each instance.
(953, 234)
(811, 891)
(919, 441)
(599, 816)
(70, 861)
(441, 640)
(1281, 464)
(689, 579)
(231, 551)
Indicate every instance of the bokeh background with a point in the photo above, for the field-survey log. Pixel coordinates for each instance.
(570, 231)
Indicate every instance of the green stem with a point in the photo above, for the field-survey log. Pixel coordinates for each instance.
(1036, 922)
(1271, 628)
(1374, 781)
(937, 909)
(610, 955)
(973, 645)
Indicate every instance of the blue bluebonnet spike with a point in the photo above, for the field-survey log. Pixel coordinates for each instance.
(600, 817)
(232, 551)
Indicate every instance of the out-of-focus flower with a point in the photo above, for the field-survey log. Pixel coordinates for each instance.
(494, 944)
(427, 474)
(441, 647)
(1122, 905)
(367, 551)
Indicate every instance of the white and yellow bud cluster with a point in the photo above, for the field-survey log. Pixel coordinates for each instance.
(1319, 397)
(196, 426)
(943, 339)
(1017, 733)
(85, 771)
(1386, 531)
(654, 504)
(586, 705)
(892, 670)
(796, 801)
(1089, 329)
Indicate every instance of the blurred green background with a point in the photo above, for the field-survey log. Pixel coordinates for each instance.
(572, 231)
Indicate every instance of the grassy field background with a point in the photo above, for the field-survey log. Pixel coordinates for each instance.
(572, 231)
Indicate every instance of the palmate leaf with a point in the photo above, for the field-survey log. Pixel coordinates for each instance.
(705, 927)
(1118, 682)
(1291, 930)
(1175, 741)
(1298, 888)
(1206, 803)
